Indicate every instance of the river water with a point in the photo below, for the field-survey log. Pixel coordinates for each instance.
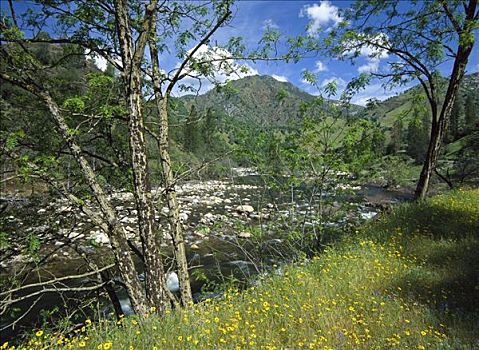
(234, 229)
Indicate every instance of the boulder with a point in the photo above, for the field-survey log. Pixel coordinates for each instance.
(183, 217)
(244, 209)
(208, 218)
(244, 234)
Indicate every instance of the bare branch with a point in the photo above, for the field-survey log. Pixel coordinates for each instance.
(56, 280)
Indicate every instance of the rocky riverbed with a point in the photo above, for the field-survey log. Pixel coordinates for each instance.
(233, 228)
(210, 211)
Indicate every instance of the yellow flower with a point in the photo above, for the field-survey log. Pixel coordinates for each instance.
(180, 338)
(107, 346)
(81, 344)
(88, 322)
(39, 333)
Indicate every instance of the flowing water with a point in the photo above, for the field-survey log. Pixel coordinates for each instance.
(232, 230)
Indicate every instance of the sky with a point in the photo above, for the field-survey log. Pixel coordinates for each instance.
(293, 18)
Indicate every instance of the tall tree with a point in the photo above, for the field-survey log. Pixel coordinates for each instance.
(118, 32)
(192, 131)
(130, 35)
(394, 145)
(471, 118)
(422, 36)
(417, 135)
(455, 124)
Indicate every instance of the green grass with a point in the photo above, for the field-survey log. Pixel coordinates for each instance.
(409, 280)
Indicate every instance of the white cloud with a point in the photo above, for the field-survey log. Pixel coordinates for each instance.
(320, 67)
(376, 91)
(223, 69)
(101, 63)
(269, 24)
(372, 66)
(319, 88)
(281, 78)
(321, 15)
(340, 82)
(370, 52)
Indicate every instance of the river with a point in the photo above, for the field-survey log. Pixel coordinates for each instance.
(234, 228)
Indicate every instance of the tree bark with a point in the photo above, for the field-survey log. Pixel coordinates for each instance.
(112, 227)
(131, 59)
(169, 183)
(439, 126)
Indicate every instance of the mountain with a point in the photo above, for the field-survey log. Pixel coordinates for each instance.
(259, 100)
(264, 101)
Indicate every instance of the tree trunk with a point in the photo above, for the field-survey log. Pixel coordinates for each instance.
(131, 58)
(438, 129)
(169, 184)
(115, 231)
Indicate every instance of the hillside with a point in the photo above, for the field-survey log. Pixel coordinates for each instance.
(264, 101)
(394, 107)
(260, 100)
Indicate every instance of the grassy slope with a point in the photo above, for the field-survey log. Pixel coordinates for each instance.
(406, 281)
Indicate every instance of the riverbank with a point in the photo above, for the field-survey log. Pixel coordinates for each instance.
(408, 280)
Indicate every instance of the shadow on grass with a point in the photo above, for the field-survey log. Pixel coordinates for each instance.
(445, 242)
(434, 220)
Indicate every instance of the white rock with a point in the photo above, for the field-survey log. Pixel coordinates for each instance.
(172, 282)
(208, 218)
(246, 209)
(65, 209)
(183, 216)
(99, 237)
(244, 234)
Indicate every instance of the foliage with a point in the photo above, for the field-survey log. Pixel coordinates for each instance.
(417, 138)
(407, 280)
(471, 115)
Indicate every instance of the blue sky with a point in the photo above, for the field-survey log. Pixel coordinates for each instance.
(291, 18)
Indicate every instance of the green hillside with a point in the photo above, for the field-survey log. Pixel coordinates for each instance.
(260, 100)
(400, 106)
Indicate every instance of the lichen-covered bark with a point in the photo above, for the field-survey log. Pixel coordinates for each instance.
(115, 231)
(169, 184)
(131, 58)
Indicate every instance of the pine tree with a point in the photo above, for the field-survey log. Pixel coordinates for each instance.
(394, 145)
(471, 116)
(417, 138)
(209, 127)
(455, 123)
(191, 133)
